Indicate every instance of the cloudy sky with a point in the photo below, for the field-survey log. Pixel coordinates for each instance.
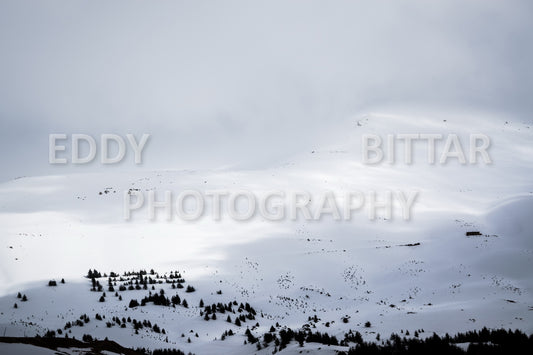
(246, 84)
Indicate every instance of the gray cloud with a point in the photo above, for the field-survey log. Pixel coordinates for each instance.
(246, 83)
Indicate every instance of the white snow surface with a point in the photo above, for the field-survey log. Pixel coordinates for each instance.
(54, 227)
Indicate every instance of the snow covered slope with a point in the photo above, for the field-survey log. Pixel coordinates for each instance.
(419, 274)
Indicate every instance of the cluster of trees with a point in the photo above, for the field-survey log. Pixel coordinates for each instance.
(159, 299)
(91, 274)
(139, 275)
(240, 319)
(102, 297)
(485, 341)
(80, 322)
(117, 321)
(95, 285)
(136, 324)
(146, 323)
(209, 311)
(137, 280)
(322, 338)
(352, 337)
(495, 336)
(313, 319)
(23, 298)
(176, 301)
(54, 282)
(227, 333)
(49, 340)
(142, 284)
(286, 335)
(174, 275)
(136, 287)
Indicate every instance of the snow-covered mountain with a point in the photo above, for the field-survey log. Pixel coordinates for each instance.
(425, 273)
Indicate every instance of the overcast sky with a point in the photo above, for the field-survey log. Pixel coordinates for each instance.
(243, 83)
